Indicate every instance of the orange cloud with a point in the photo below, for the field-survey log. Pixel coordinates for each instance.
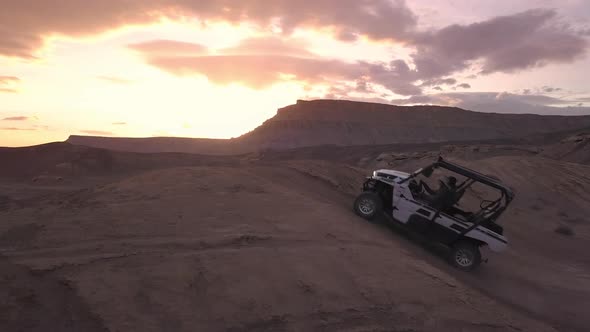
(163, 47)
(25, 24)
(270, 46)
(16, 118)
(256, 71)
(6, 82)
(262, 62)
(8, 79)
(97, 132)
(515, 42)
(16, 129)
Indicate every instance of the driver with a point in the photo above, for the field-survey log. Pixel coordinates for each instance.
(444, 197)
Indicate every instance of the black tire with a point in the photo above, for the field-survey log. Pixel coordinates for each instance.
(368, 205)
(465, 255)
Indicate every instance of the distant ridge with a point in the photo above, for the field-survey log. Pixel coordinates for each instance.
(159, 144)
(348, 123)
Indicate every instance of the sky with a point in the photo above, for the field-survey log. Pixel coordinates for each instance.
(219, 68)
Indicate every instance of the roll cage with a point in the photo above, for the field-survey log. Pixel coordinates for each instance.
(490, 210)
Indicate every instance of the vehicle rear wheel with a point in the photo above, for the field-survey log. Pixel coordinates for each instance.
(368, 205)
(465, 256)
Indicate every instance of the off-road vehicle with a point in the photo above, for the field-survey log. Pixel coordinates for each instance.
(442, 215)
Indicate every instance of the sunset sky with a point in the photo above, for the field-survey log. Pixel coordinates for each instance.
(219, 68)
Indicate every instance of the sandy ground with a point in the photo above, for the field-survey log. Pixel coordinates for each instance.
(274, 246)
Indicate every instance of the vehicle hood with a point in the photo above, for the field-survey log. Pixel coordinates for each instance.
(397, 174)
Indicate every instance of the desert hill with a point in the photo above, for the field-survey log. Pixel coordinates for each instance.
(263, 248)
(160, 144)
(573, 148)
(347, 123)
(68, 160)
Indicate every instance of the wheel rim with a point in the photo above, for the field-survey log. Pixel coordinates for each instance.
(464, 258)
(366, 206)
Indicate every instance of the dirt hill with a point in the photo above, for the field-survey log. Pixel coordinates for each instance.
(268, 242)
(238, 249)
(574, 148)
(67, 160)
(347, 123)
(160, 144)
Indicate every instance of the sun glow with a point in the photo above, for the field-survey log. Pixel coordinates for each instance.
(88, 84)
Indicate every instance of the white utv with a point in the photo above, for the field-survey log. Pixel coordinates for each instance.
(437, 214)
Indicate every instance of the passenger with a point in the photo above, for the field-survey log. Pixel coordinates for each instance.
(443, 198)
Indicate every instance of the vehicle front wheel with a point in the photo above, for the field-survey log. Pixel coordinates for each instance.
(465, 256)
(368, 205)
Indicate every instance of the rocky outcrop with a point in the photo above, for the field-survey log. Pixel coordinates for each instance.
(347, 123)
(336, 122)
